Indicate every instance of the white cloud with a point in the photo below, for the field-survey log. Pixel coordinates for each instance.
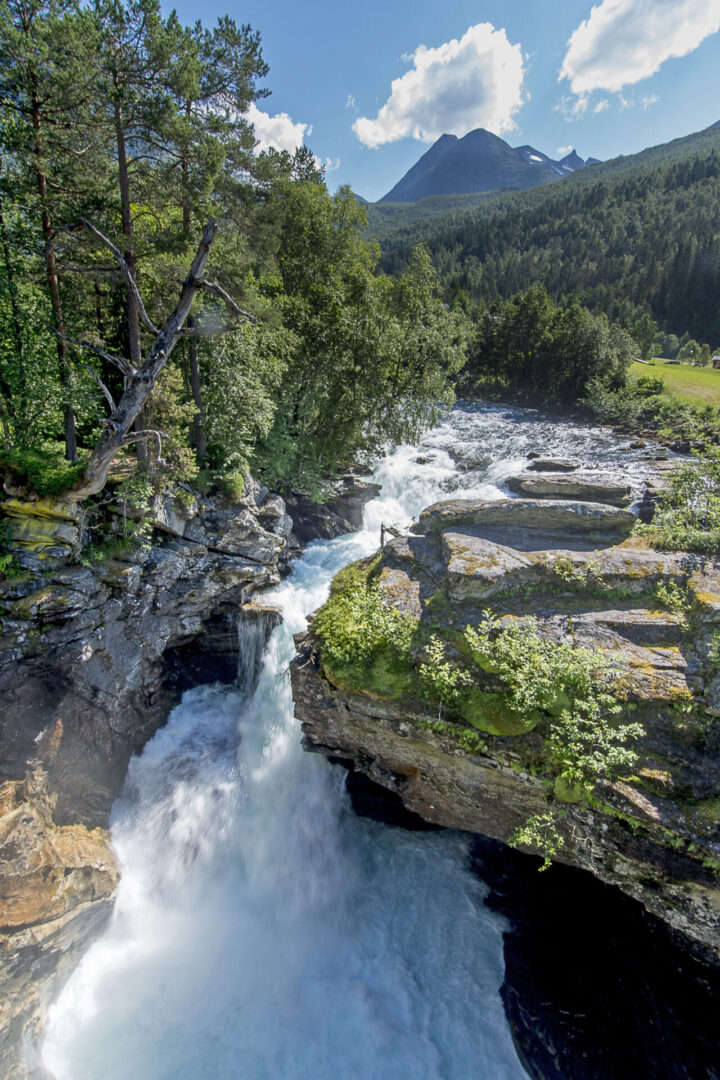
(331, 164)
(625, 41)
(651, 99)
(278, 132)
(602, 105)
(570, 107)
(563, 151)
(351, 103)
(474, 82)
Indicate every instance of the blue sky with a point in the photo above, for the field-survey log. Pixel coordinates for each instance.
(607, 79)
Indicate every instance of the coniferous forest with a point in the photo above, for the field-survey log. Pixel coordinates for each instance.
(631, 237)
(122, 135)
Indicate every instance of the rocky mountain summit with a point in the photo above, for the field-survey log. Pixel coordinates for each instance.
(479, 161)
(482, 765)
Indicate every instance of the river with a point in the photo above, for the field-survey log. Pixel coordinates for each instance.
(262, 931)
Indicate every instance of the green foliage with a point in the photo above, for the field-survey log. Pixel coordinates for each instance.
(232, 485)
(43, 469)
(674, 597)
(241, 374)
(441, 678)
(646, 403)
(687, 517)
(373, 357)
(527, 345)
(357, 622)
(633, 236)
(574, 686)
(540, 831)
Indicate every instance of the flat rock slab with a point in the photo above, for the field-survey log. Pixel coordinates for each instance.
(478, 568)
(549, 464)
(556, 517)
(583, 486)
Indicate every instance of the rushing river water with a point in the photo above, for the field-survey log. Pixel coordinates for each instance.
(264, 932)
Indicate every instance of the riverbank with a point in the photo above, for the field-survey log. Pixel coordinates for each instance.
(472, 453)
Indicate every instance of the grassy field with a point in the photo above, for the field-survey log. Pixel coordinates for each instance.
(690, 383)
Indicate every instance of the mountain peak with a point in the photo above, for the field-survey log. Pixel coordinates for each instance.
(572, 161)
(479, 161)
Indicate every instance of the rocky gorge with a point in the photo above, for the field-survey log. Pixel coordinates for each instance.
(575, 567)
(92, 659)
(97, 655)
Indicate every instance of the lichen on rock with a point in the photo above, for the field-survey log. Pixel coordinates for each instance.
(471, 759)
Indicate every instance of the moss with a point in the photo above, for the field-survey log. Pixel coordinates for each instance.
(437, 602)
(708, 810)
(567, 792)
(384, 675)
(356, 573)
(489, 711)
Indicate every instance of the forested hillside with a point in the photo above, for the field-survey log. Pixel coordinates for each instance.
(631, 236)
(124, 134)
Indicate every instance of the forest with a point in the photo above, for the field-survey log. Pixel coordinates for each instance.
(633, 237)
(127, 164)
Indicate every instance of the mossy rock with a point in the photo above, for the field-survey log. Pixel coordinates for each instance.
(383, 675)
(567, 792)
(356, 573)
(488, 711)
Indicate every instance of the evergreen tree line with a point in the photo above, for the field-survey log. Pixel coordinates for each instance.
(119, 124)
(631, 238)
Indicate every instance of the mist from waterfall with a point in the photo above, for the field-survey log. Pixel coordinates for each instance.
(262, 930)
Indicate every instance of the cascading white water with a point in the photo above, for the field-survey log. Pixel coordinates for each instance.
(261, 930)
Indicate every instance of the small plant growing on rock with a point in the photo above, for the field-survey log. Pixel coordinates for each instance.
(443, 679)
(540, 831)
(574, 687)
(675, 598)
(358, 621)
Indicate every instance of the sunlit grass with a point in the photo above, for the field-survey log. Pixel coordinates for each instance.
(689, 383)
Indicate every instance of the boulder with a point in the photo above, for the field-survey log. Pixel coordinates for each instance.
(585, 486)
(559, 518)
(479, 568)
(550, 464)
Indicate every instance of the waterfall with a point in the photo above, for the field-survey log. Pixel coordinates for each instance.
(261, 930)
(254, 626)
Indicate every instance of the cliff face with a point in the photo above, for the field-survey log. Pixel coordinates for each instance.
(654, 832)
(92, 658)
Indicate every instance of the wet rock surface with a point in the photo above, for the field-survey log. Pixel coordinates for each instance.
(92, 658)
(655, 834)
(594, 987)
(341, 513)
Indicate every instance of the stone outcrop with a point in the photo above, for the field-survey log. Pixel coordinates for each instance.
(92, 658)
(341, 513)
(552, 464)
(656, 833)
(585, 486)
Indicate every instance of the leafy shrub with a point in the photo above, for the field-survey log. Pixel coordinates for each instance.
(687, 517)
(440, 677)
(574, 685)
(44, 470)
(357, 622)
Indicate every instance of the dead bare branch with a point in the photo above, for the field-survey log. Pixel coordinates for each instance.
(101, 384)
(129, 279)
(118, 361)
(139, 385)
(212, 287)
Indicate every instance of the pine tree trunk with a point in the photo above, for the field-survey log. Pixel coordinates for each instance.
(199, 433)
(66, 380)
(133, 315)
